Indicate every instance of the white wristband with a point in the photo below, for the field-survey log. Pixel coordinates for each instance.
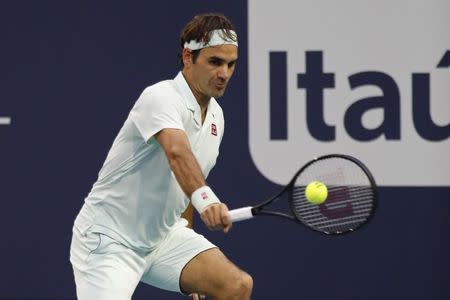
(203, 197)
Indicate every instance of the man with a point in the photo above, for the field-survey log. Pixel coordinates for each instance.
(130, 228)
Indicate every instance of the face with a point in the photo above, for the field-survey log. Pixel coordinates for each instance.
(209, 75)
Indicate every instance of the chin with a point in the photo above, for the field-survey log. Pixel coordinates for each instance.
(218, 94)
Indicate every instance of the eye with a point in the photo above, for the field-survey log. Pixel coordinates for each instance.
(215, 62)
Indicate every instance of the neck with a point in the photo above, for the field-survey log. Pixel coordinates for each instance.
(202, 100)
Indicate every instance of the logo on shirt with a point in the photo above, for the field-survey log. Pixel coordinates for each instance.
(213, 129)
(204, 196)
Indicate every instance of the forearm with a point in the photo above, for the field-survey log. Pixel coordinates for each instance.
(189, 175)
(181, 160)
(186, 170)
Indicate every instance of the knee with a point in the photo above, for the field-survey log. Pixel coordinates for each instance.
(242, 287)
(247, 281)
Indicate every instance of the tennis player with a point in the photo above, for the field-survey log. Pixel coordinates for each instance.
(134, 224)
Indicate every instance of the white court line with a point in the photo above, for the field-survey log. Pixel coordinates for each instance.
(5, 120)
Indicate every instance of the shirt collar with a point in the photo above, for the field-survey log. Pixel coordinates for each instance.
(186, 92)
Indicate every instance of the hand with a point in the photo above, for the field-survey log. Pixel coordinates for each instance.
(216, 217)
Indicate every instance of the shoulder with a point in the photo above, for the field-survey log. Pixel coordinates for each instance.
(162, 90)
(163, 93)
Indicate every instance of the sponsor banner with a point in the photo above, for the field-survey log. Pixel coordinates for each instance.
(365, 78)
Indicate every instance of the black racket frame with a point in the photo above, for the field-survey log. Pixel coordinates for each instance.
(259, 209)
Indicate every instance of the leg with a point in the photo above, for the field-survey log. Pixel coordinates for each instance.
(213, 274)
(186, 262)
(103, 268)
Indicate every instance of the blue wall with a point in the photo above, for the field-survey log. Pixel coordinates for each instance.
(70, 72)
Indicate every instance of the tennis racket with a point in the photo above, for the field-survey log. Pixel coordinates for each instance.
(351, 201)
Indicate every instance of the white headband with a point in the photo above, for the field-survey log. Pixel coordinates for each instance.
(217, 39)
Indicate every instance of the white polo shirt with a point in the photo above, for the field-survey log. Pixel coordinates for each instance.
(136, 199)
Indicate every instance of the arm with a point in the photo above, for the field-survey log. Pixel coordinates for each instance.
(181, 159)
(189, 175)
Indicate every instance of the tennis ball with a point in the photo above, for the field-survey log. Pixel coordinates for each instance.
(316, 192)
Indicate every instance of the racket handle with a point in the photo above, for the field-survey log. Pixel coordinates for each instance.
(241, 214)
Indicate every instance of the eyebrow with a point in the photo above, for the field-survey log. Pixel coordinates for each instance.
(221, 59)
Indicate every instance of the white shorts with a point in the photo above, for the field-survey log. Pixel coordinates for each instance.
(106, 269)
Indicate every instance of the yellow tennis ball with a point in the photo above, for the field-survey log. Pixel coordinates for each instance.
(316, 192)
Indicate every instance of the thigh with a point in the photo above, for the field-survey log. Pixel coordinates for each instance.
(104, 268)
(167, 262)
(209, 272)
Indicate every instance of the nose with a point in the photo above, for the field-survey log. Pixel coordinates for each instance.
(224, 72)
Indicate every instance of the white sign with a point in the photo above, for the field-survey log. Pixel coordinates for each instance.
(358, 77)
(5, 121)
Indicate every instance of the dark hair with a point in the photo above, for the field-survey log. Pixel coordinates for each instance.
(199, 29)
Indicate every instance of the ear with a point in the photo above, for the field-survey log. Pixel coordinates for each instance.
(187, 57)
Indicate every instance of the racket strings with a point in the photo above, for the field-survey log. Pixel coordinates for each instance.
(350, 201)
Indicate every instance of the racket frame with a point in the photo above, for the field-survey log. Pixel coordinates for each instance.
(259, 209)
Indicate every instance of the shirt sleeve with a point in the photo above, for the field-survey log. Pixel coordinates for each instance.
(155, 111)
